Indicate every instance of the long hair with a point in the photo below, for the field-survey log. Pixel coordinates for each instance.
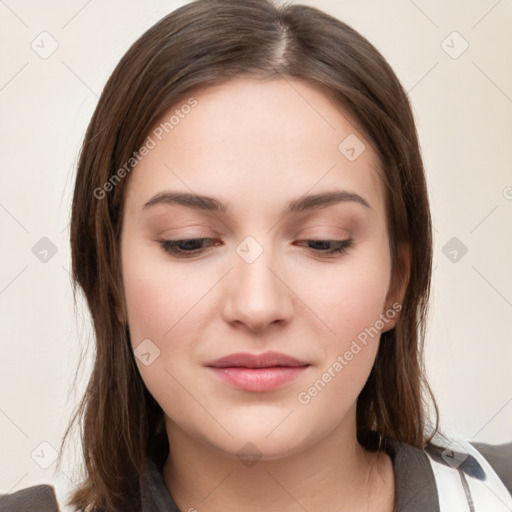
(203, 43)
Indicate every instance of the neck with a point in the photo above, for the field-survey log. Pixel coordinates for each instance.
(335, 474)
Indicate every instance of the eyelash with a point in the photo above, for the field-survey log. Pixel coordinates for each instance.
(172, 247)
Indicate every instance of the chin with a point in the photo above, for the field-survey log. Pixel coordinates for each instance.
(262, 441)
(250, 451)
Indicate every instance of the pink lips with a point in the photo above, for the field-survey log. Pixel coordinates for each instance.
(257, 372)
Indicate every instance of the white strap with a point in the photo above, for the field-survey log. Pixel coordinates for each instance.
(489, 495)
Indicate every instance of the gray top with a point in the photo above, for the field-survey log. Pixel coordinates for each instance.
(415, 487)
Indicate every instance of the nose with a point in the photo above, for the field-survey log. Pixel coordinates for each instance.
(257, 291)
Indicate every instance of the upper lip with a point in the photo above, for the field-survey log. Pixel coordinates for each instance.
(247, 360)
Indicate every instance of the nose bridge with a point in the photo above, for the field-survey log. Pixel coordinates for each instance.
(256, 295)
(252, 266)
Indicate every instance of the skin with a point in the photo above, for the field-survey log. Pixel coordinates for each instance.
(255, 145)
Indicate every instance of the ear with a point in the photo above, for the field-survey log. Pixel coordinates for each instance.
(398, 286)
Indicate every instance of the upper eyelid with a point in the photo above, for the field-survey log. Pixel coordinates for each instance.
(305, 228)
(347, 222)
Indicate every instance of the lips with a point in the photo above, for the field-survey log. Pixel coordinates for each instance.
(265, 360)
(257, 372)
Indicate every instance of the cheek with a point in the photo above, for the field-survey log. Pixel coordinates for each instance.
(157, 301)
(350, 301)
(150, 304)
(351, 305)
(349, 297)
(158, 295)
(164, 304)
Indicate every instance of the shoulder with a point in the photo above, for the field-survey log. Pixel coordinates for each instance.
(38, 497)
(425, 478)
(482, 472)
(469, 456)
(499, 457)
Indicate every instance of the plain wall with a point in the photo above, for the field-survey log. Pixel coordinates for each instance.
(463, 109)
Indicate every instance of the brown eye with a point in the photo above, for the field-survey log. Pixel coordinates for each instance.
(190, 247)
(329, 246)
(184, 248)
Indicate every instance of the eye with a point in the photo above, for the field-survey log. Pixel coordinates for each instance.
(185, 248)
(190, 247)
(330, 247)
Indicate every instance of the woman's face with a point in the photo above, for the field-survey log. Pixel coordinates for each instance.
(263, 280)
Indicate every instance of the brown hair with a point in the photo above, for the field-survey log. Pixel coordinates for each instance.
(200, 44)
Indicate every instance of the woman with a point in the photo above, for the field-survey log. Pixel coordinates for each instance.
(251, 230)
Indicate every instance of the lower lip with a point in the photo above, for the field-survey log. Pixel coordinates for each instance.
(258, 379)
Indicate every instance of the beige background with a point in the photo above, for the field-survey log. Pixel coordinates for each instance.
(463, 108)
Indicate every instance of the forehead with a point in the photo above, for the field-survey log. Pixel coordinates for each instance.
(258, 142)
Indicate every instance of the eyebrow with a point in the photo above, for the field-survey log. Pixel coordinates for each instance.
(202, 202)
